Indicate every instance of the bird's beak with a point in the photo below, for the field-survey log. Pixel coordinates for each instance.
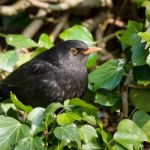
(91, 50)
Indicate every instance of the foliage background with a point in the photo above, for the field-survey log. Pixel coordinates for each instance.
(114, 112)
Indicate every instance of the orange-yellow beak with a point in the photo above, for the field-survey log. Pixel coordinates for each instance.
(91, 50)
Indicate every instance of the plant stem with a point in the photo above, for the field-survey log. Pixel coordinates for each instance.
(2, 35)
(109, 37)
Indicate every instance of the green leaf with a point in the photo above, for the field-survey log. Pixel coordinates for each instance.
(140, 118)
(146, 128)
(49, 112)
(87, 133)
(20, 41)
(24, 58)
(36, 116)
(129, 135)
(106, 98)
(140, 98)
(89, 118)
(117, 147)
(77, 32)
(81, 103)
(68, 133)
(130, 37)
(18, 104)
(148, 58)
(144, 77)
(11, 131)
(108, 75)
(91, 60)
(30, 143)
(44, 41)
(139, 54)
(68, 117)
(8, 60)
(146, 37)
(92, 145)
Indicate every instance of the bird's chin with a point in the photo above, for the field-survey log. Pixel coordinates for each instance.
(84, 59)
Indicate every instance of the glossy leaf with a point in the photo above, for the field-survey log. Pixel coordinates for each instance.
(68, 117)
(79, 102)
(140, 118)
(87, 133)
(106, 98)
(140, 98)
(68, 133)
(8, 60)
(36, 116)
(89, 118)
(30, 143)
(108, 75)
(139, 54)
(44, 41)
(11, 131)
(19, 104)
(20, 41)
(77, 32)
(92, 145)
(49, 112)
(91, 60)
(129, 135)
(130, 36)
(146, 37)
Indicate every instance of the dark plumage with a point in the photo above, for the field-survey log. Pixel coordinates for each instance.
(54, 75)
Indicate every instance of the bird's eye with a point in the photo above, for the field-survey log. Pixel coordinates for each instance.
(74, 51)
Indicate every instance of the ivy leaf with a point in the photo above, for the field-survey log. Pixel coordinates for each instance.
(68, 117)
(49, 112)
(140, 98)
(8, 60)
(108, 75)
(106, 98)
(36, 116)
(68, 133)
(20, 41)
(81, 103)
(91, 60)
(19, 104)
(45, 42)
(139, 54)
(130, 36)
(87, 133)
(30, 143)
(140, 118)
(11, 131)
(129, 135)
(77, 32)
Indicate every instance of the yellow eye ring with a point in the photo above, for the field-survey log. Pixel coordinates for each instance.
(74, 51)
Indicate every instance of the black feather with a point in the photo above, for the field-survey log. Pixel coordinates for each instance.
(54, 75)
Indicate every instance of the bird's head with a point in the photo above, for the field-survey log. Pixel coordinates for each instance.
(76, 50)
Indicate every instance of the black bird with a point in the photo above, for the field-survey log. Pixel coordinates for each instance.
(54, 75)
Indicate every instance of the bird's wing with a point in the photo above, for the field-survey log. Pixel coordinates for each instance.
(25, 73)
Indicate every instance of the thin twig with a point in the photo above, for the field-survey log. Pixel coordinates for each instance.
(109, 37)
(124, 95)
(35, 25)
(59, 27)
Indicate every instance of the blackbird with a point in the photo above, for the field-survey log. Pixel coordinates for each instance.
(56, 74)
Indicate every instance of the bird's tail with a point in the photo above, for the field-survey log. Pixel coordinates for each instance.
(4, 92)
